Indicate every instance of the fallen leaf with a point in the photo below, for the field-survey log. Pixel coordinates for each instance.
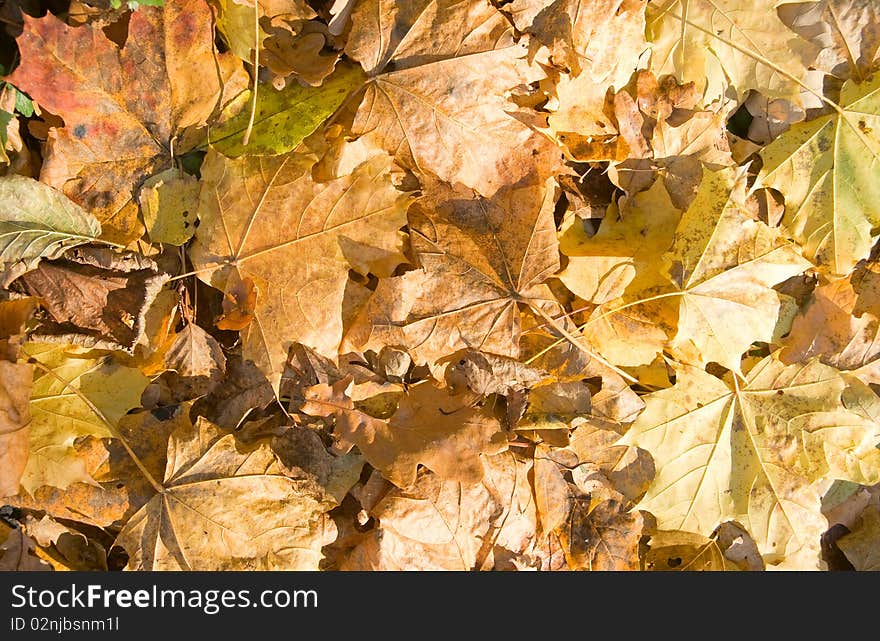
(95, 298)
(284, 118)
(840, 325)
(827, 171)
(15, 418)
(429, 100)
(236, 21)
(861, 545)
(260, 215)
(168, 203)
(845, 32)
(721, 265)
(730, 450)
(38, 222)
(604, 538)
(252, 518)
(445, 525)
(430, 428)
(60, 415)
(716, 43)
(123, 116)
(473, 279)
(675, 551)
(17, 554)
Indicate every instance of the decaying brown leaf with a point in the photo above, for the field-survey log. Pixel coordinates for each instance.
(429, 427)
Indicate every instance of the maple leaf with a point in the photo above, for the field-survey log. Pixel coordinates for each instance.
(126, 110)
(473, 277)
(633, 236)
(119, 487)
(428, 99)
(261, 215)
(731, 450)
(827, 170)
(429, 427)
(714, 43)
(685, 552)
(845, 32)
(721, 265)
(64, 401)
(252, 518)
(445, 525)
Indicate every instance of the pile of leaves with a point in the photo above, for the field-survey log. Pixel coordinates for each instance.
(369, 285)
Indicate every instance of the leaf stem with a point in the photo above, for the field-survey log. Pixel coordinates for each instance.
(600, 317)
(250, 125)
(567, 336)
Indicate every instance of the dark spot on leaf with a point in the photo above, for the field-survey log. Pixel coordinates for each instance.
(79, 131)
(674, 562)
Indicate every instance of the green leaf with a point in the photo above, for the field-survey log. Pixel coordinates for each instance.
(5, 119)
(37, 222)
(828, 170)
(284, 118)
(23, 104)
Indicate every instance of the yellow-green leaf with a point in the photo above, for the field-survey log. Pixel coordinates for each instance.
(717, 43)
(60, 415)
(284, 118)
(754, 452)
(828, 170)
